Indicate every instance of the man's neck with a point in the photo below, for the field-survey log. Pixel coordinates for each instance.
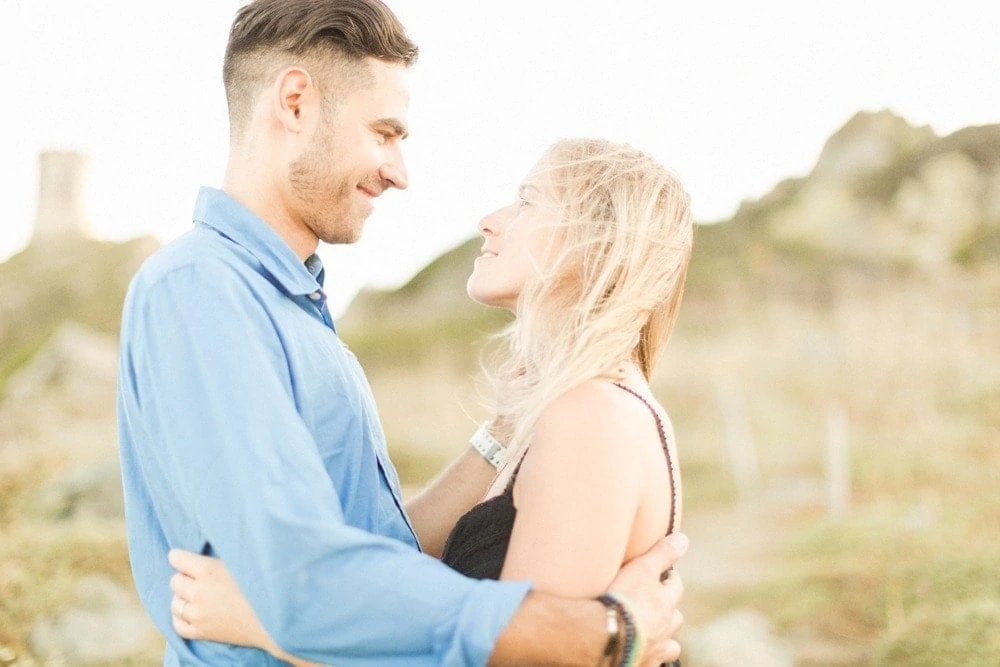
(266, 202)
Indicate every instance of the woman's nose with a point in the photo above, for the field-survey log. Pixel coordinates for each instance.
(490, 224)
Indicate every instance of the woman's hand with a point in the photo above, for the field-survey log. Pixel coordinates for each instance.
(208, 604)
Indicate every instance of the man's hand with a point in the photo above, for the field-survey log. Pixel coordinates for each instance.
(654, 597)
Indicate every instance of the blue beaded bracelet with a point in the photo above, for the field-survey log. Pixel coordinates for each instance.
(632, 645)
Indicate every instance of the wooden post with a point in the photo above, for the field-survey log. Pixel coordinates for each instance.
(740, 448)
(838, 463)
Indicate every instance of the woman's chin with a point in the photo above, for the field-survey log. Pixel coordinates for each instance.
(487, 299)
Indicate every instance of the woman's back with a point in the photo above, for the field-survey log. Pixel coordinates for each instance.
(598, 486)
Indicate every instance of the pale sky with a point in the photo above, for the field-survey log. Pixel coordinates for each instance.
(733, 96)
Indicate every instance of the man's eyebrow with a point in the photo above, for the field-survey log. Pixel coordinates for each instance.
(523, 190)
(398, 128)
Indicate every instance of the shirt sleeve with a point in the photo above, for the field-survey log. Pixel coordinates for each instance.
(213, 390)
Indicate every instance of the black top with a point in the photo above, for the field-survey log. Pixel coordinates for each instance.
(477, 545)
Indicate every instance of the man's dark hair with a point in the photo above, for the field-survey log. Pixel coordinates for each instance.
(330, 35)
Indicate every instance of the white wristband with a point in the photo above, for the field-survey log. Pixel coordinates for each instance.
(484, 443)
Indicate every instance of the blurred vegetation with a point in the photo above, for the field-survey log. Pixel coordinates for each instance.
(43, 286)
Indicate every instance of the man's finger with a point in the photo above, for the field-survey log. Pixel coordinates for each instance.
(668, 551)
(676, 620)
(671, 652)
(675, 586)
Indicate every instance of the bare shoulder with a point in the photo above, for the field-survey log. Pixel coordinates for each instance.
(596, 418)
(595, 429)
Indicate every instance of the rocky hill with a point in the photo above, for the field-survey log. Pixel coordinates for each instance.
(884, 197)
(74, 279)
(883, 194)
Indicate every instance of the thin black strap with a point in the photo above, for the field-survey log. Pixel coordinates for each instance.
(513, 477)
(666, 451)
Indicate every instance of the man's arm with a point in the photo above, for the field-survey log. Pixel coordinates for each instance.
(435, 510)
(550, 630)
(545, 630)
(229, 448)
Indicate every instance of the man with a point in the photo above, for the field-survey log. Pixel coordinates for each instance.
(249, 432)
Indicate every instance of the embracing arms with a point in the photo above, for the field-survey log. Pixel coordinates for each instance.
(205, 375)
(234, 471)
(545, 630)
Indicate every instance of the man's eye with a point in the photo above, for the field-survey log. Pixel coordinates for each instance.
(522, 202)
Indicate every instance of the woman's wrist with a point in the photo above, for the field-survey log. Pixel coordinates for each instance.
(488, 446)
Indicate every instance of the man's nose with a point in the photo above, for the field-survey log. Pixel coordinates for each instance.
(394, 171)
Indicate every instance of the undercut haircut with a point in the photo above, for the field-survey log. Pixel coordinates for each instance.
(331, 38)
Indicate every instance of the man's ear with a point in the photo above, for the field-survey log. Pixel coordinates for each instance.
(294, 99)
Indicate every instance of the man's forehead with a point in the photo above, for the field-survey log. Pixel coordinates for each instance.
(389, 95)
(391, 77)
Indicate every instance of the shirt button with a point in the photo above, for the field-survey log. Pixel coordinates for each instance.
(315, 296)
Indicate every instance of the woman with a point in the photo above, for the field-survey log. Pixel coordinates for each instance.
(591, 259)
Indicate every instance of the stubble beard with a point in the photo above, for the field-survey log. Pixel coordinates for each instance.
(325, 200)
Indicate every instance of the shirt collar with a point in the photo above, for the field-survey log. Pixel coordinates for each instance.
(230, 218)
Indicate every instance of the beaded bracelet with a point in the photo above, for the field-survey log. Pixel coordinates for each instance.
(635, 651)
(614, 637)
(633, 641)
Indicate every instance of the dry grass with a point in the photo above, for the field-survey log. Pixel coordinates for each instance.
(913, 570)
(41, 561)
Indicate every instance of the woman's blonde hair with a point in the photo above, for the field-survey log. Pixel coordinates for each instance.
(610, 290)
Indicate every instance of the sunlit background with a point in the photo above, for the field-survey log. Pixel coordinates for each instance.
(734, 96)
(834, 379)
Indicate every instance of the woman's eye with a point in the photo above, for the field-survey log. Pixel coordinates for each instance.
(522, 202)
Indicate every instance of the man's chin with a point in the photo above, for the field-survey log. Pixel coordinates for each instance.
(344, 236)
(342, 239)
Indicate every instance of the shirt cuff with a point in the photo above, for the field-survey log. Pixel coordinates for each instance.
(485, 613)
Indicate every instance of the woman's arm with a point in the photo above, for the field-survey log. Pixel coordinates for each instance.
(579, 491)
(436, 509)
(208, 604)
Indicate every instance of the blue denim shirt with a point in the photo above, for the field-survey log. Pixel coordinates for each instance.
(248, 431)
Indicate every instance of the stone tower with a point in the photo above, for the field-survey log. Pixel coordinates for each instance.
(61, 213)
